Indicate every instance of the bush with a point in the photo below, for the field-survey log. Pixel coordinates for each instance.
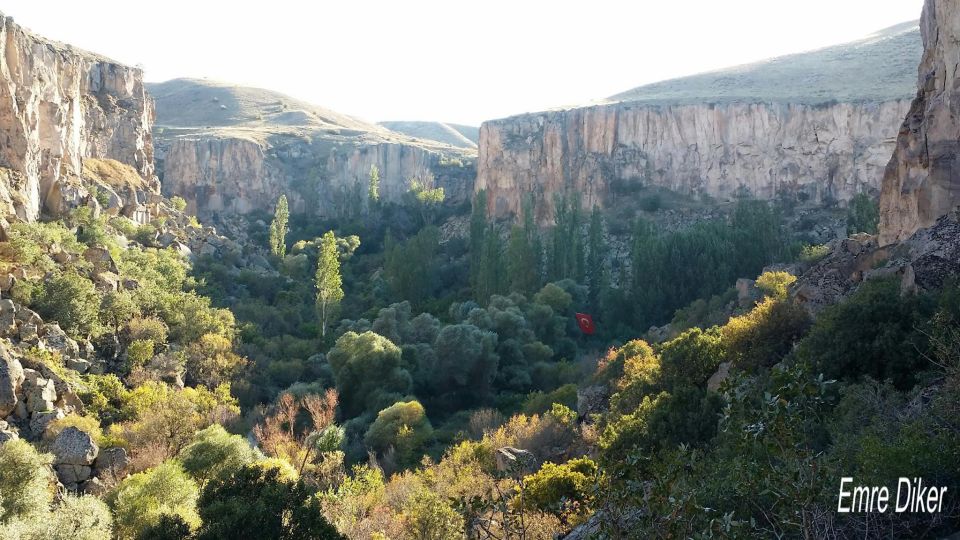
(874, 332)
(215, 453)
(179, 203)
(369, 373)
(141, 500)
(691, 358)
(564, 490)
(763, 336)
(260, 499)
(774, 284)
(403, 427)
(72, 301)
(25, 481)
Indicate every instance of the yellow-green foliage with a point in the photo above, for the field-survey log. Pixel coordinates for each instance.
(775, 283)
(565, 490)
(812, 254)
(764, 335)
(404, 427)
(139, 352)
(141, 499)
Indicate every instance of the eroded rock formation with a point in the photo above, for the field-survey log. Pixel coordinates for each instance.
(229, 149)
(59, 105)
(818, 125)
(922, 180)
(607, 151)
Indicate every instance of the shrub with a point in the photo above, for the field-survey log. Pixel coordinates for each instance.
(404, 427)
(812, 254)
(691, 358)
(25, 481)
(179, 203)
(763, 336)
(141, 500)
(215, 453)
(774, 283)
(260, 499)
(72, 301)
(874, 332)
(564, 490)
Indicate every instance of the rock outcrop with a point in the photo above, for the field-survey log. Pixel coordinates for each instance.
(826, 139)
(234, 150)
(922, 179)
(58, 106)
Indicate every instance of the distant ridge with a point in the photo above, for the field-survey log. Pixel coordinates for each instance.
(879, 67)
(452, 134)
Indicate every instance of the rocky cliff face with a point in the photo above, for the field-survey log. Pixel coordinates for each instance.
(59, 105)
(922, 179)
(817, 125)
(229, 149)
(602, 152)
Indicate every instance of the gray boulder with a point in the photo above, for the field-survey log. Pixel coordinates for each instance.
(41, 395)
(40, 420)
(11, 377)
(112, 462)
(74, 447)
(55, 338)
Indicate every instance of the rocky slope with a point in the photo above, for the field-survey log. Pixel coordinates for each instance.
(827, 137)
(922, 179)
(58, 106)
(233, 150)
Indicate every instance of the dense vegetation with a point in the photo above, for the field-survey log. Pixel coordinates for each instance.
(403, 381)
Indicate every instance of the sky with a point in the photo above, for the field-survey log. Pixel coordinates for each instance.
(450, 60)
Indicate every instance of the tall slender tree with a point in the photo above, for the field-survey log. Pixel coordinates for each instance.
(373, 190)
(328, 281)
(278, 228)
(598, 278)
(478, 228)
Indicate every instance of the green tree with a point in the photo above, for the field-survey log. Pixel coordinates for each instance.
(598, 277)
(72, 301)
(491, 277)
(278, 228)
(141, 500)
(430, 517)
(466, 365)
(328, 282)
(215, 453)
(863, 215)
(259, 501)
(409, 266)
(368, 371)
(478, 231)
(404, 427)
(373, 190)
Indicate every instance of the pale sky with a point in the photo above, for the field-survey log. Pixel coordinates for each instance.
(450, 60)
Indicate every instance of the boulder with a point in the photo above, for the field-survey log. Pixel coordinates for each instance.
(7, 433)
(74, 446)
(747, 292)
(515, 461)
(101, 259)
(72, 474)
(106, 281)
(56, 339)
(112, 462)
(181, 249)
(29, 332)
(715, 380)
(78, 364)
(11, 377)
(95, 487)
(41, 396)
(6, 282)
(40, 420)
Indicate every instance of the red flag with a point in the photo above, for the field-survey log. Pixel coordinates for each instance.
(585, 322)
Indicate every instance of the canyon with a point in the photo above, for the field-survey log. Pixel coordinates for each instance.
(58, 107)
(235, 150)
(816, 126)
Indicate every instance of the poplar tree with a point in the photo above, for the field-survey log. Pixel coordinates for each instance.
(598, 279)
(478, 228)
(328, 281)
(373, 190)
(278, 228)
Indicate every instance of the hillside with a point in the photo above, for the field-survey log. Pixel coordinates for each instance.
(452, 134)
(879, 67)
(229, 149)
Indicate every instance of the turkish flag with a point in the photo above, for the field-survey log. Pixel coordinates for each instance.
(585, 322)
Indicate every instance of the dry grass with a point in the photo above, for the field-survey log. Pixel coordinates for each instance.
(112, 173)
